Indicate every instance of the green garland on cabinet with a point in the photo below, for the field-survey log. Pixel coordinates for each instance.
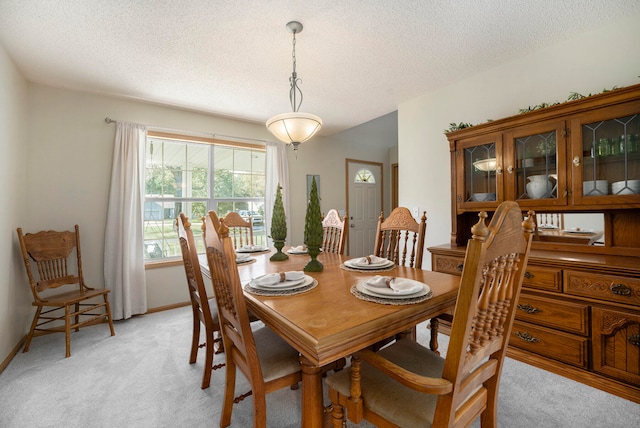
(572, 97)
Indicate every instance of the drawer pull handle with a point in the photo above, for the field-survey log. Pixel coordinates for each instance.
(527, 337)
(635, 340)
(529, 309)
(460, 266)
(528, 275)
(620, 289)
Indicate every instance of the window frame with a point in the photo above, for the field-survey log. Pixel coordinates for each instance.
(210, 202)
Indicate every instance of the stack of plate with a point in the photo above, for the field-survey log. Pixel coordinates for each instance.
(628, 187)
(601, 188)
(411, 290)
(280, 286)
(353, 263)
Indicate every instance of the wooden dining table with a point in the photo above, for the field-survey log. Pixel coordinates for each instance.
(328, 322)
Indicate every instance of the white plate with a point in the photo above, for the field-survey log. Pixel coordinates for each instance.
(580, 230)
(244, 260)
(297, 252)
(416, 287)
(287, 285)
(372, 266)
(361, 288)
(254, 249)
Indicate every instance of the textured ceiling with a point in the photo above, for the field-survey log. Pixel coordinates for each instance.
(358, 59)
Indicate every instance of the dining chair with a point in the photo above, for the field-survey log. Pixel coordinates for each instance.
(334, 232)
(263, 357)
(240, 230)
(205, 312)
(58, 266)
(400, 237)
(550, 219)
(407, 384)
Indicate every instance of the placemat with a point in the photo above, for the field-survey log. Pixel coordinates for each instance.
(261, 292)
(344, 267)
(382, 300)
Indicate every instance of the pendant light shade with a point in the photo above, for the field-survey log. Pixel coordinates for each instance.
(295, 127)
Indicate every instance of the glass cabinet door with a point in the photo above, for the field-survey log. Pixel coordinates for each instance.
(480, 179)
(606, 157)
(534, 164)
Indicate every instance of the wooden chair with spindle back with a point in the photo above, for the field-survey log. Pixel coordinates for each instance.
(334, 232)
(204, 309)
(406, 384)
(240, 230)
(57, 284)
(400, 237)
(264, 358)
(550, 219)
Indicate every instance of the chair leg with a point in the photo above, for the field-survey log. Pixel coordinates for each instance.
(67, 330)
(32, 329)
(109, 318)
(433, 341)
(77, 317)
(195, 339)
(208, 361)
(259, 411)
(229, 391)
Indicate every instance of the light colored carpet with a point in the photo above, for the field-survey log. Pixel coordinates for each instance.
(141, 378)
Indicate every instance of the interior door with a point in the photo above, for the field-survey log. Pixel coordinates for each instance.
(364, 202)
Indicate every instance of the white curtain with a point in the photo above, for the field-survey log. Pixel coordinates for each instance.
(277, 173)
(124, 235)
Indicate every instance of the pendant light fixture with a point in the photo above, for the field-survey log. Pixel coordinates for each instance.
(295, 127)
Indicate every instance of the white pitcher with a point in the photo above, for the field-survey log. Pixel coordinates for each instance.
(539, 186)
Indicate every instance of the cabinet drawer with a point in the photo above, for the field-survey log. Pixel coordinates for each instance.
(554, 344)
(567, 316)
(447, 264)
(541, 278)
(616, 344)
(604, 287)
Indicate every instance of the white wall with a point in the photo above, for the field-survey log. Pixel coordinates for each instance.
(70, 165)
(15, 296)
(603, 58)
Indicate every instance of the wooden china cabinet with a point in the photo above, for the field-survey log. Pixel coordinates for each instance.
(579, 311)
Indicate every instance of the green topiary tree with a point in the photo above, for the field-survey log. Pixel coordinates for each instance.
(278, 227)
(313, 229)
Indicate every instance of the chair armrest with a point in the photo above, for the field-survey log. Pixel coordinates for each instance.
(409, 379)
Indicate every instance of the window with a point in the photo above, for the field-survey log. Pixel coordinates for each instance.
(194, 175)
(365, 176)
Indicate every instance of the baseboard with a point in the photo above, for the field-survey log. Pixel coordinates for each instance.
(12, 354)
(168, 307)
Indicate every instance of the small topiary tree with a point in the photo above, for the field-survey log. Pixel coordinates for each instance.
(313, 229)
(278, 227)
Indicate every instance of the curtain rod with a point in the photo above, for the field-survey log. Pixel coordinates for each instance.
(109, 121)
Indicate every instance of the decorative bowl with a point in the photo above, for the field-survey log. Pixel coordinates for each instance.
(483, 197)
(601, 188)
(628, 187)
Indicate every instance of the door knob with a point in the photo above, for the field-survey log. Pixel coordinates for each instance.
(352, 225)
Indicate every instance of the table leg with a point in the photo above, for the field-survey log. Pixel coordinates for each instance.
(312, 402)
